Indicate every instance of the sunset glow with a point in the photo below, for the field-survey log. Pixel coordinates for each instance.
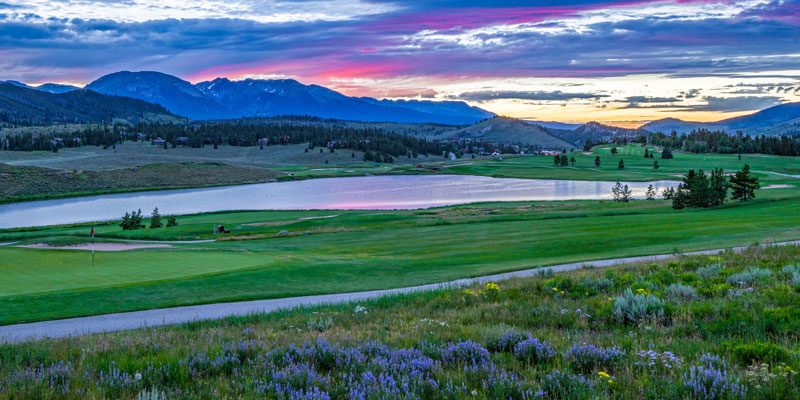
(622, 62)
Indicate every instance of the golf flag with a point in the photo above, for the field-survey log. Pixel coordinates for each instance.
(92, 234)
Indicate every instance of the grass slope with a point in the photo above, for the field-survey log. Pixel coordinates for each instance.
(703, 338)
(24, 183)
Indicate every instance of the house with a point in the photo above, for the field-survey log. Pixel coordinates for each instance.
(263, 142)
(182, 140)
(157, 142)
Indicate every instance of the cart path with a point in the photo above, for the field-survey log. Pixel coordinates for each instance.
(178, 315)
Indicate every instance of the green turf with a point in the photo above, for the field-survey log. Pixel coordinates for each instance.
(359, 250)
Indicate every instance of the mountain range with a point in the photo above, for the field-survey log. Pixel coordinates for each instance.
(773, 121)
(222, 98)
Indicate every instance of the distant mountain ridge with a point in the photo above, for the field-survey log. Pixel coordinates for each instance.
(773, 121)
(27, 106)
(222, 98)
(45, 87)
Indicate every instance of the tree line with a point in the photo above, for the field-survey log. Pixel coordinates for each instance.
(377, 142)
(706, 141)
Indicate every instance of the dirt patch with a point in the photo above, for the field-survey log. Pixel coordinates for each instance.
(778, 187)
(586, 153)
(100, 246)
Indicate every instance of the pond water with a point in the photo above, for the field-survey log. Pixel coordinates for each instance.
(366, 192)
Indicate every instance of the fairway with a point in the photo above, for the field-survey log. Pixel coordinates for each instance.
(273, 254)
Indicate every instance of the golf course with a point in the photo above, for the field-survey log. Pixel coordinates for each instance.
(48, 271)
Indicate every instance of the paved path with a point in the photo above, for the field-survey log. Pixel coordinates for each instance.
(177, 315)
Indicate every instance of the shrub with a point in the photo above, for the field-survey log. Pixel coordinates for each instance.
(466, 352)
(171, 221)
(749, 353)
(749, 277)
(681, 292)
(599, 285)
(152, 394)
(533, 351)
(585, 357)
(319, 324)
(630, 308)
(709, 272)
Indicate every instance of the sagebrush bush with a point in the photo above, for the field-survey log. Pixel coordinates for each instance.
(681, 292)
(709, 272)
(634, 308)
(749, 277)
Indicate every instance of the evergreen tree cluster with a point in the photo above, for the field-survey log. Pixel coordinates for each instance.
(701, 191)
(381, 145)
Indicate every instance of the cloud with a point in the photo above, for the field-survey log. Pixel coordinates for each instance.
(485, 96)
(731, 104)
(648, 99)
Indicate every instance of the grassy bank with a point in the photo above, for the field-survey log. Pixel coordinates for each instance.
(720, 327)
(36, 183)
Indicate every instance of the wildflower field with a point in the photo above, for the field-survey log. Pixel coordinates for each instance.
(700, 327)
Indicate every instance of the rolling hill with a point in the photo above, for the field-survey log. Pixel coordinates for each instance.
(508, 130)
(222, 98)
(25, 106)
(773, 121)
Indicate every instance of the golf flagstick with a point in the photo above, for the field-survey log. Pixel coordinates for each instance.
(92, 234)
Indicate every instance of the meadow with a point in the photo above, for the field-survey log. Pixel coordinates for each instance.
(699, 327)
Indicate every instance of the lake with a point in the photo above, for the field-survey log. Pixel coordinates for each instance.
(365, 192)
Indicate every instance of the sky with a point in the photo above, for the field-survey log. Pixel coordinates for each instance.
(624, 62)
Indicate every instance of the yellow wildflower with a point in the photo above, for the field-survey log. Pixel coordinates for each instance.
(603, 374)
(555, 289)
(610, 381)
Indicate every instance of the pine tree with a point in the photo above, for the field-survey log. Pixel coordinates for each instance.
(656, 165)
(646, 154)
(679, 198)
(719, 187)
(564, 160)
(621, 164)
(614, 150)
(666, 153)
(172, 221)
(616, 191)
(597, 161)
(743, 185)
(626, 194)
(588, 145)
(668, 193)
(155, 219)
(651, 193)
(572, 161)
(557, 160)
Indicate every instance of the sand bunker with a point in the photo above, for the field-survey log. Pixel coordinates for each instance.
(99, 246)
(778, 187)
